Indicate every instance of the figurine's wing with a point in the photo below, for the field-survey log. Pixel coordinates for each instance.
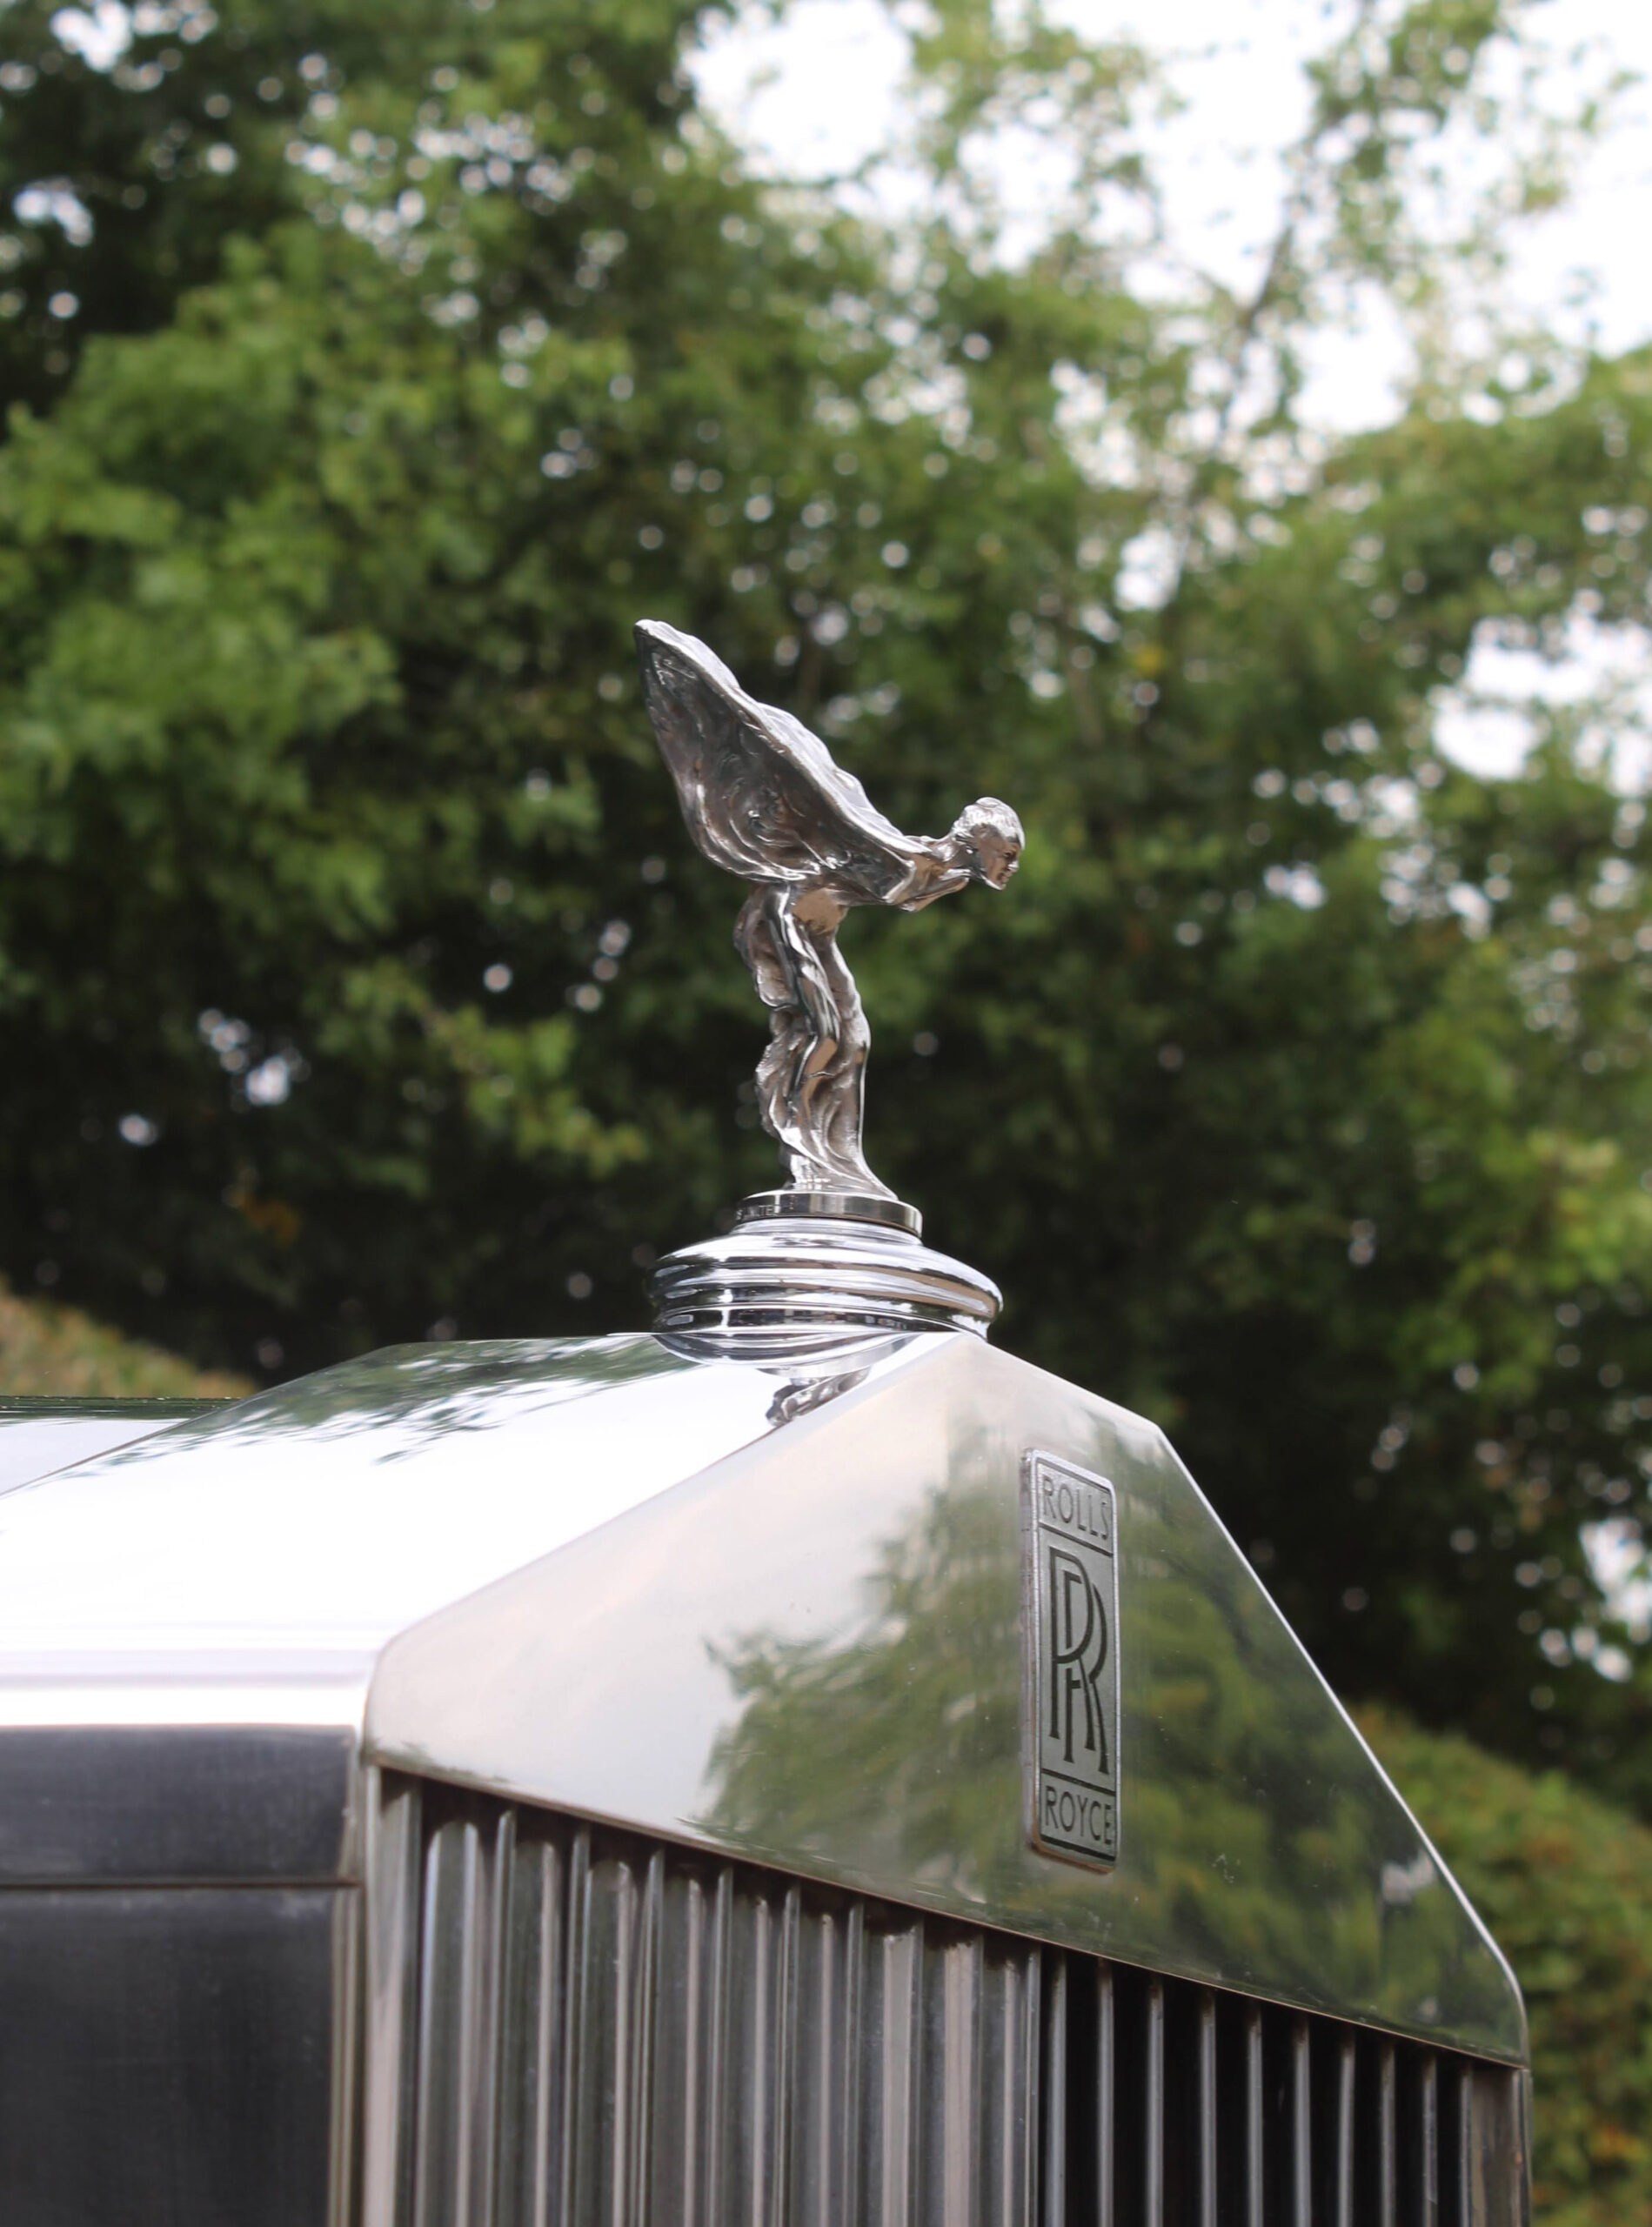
(760, 793)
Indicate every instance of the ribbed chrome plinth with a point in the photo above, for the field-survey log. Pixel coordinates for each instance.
(798, 1276)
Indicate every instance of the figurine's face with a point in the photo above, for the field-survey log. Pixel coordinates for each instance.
(996, 856)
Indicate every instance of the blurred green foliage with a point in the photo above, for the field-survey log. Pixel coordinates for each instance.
(374, 368)
(1560, 1878)
(46, 1349)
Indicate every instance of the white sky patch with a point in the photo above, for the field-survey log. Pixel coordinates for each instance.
(1299, 883)
(814, 97)
(54, 201)
(821, 94)
(270, 1083)
(99, 35)
(1603, 678)
(1618, 1560)
(1146, 570)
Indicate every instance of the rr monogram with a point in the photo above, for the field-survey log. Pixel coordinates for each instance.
(1079, 1622)
(1071, 1622)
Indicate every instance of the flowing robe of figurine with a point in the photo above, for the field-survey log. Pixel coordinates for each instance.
(763, 799)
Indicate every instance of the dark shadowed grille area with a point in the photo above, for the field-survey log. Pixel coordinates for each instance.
(571, 2027)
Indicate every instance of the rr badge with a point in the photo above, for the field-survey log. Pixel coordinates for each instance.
(1072, 1627)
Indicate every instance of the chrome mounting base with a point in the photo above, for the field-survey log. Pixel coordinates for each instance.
(803, 1269)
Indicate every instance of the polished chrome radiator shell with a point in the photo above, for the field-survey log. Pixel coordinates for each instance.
(589, 1781)
(574, 2027)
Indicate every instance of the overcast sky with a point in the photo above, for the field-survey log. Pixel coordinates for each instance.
(820, 91)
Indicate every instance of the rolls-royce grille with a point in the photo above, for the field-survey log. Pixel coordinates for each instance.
(570, 2027)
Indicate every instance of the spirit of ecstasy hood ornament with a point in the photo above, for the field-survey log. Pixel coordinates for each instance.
(818, 1274)
(763, 799)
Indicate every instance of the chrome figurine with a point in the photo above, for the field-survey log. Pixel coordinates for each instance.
(763, 799)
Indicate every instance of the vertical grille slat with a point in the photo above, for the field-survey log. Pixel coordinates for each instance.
(676, 2170)
(1495, 2127)
(888, 2162)
(568, 2027)
(1206, 2138)
(1105, 2088)
(1340, 2143)
(603, 1911)
(527, 2179)
(1387, 2135)
(1152, 2116)
(1424, 2174)
(1302, 2124)
(1056, 2126)
(951, 2157)
(574, 1986)
(453, 2122)
(746, 2103)
(394, 1858)
(1255, 2098)
(1012, 2052)
(824, 2138)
